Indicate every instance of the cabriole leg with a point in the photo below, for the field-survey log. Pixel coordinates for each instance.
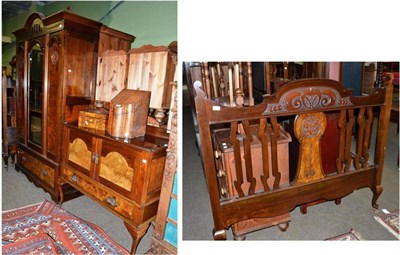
(377, 192)
(137, 234)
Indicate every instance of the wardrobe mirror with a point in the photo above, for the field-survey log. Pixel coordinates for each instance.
(35, 95)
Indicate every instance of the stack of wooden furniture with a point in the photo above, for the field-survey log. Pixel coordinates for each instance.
(63, 145)
(9, 129)
(258, 179)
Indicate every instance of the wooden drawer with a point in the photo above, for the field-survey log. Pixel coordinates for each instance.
(43, 171)
(106, 196)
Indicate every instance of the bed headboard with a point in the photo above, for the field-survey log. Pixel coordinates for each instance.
(307, 101)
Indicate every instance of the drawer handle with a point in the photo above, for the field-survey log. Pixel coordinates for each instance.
(74, 178)
(23, 159)
(112, 201)
(44, 172)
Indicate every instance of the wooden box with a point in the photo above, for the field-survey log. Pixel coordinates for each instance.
(224, 145)
(128, 114)
(92, 119)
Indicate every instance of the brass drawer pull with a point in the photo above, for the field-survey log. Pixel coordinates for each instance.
(74, 178)
(23, 159)
(112, 201)
(44, 172)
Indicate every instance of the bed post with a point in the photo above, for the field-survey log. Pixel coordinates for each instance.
(219, 232)
(381, 140)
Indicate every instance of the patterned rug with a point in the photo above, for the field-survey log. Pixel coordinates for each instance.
(46, 228)
(391, 222)
(349, 236)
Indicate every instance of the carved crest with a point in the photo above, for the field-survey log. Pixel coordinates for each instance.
(308, 98)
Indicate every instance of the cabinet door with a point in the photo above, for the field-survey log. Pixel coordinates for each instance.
(35, 93)
(116, 166)
(80, 151)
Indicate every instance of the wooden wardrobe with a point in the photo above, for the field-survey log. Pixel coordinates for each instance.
(56, 72)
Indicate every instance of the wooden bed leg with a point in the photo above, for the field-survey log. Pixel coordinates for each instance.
(377, 192)
(284, 226)
(239, 237)
(137, 234)
(219, 234)
(338, 201)
(303, 209)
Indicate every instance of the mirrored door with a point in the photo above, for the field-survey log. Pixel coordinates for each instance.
(35, 93)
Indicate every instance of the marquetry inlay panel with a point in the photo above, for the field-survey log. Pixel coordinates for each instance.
(115, 168)
(308, 129)
(79, 153)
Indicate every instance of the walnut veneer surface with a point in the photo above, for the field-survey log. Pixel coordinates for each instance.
(258, 190)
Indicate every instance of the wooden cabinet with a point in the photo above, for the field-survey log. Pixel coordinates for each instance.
(123, 175)
(56, 71)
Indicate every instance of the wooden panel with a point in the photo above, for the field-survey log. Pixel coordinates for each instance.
(115, 168)
(309, 128)
(152, 68)
(79, 151)
(111, 69)
(155, 176)
(53, 96)
(111, 39)
(79, 64)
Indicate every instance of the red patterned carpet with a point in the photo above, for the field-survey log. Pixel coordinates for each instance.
(349, 236)
(391, 222)
(46, 228)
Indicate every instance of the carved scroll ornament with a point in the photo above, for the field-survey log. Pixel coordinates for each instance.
(308, 98)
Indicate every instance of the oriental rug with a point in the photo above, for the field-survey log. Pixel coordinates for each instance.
(349, 236)
(46, 228)
(391, 222)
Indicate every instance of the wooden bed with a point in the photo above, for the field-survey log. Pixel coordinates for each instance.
(307, 101)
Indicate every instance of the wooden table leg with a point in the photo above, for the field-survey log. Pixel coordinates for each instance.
(137, 234)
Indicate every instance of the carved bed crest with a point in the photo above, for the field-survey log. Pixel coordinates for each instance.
(308, 98)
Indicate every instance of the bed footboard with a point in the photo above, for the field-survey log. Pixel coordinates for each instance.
(245, 151)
